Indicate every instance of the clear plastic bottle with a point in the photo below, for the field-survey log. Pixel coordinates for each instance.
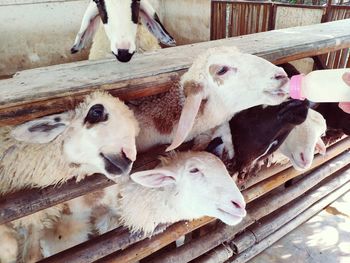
(321, 86)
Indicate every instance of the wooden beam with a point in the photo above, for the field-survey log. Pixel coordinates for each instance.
(37, 92)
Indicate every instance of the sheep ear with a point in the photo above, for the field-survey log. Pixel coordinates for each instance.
(321, 147)
(42, 130)
(154, 178)
(188, 114)
(150, 19)
(88, 28)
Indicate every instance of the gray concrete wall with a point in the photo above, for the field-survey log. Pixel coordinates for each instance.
(294, 16)
(36, 33)
(187, 20)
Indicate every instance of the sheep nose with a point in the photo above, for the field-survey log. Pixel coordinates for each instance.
(302, 157)
(280, 76)
(126, 159)
(116, 164)
(239, 205)
(123, 55)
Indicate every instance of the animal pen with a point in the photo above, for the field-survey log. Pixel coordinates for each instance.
(272, 209)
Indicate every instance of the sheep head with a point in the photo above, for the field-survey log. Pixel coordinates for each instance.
(200, 185)
(302, 141)
(223, 81)
(97, 137)
(120, 19)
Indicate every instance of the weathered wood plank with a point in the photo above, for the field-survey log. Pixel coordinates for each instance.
(42, 91)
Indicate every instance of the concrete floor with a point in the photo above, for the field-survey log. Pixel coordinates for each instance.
(325, 238)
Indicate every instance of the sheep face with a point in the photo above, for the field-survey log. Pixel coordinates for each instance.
(120, 19)
(98, 137)
(302, 141)
(225, 81)
(201, 187)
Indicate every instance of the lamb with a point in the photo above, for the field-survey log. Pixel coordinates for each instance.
(259, 131)
(302, 141)
(122, 34)
(221, 82)
(165, 195)
(97, 137)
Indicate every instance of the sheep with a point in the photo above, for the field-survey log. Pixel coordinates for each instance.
(122, 34)
(221, 82)
(165, 195)
(97, 137)
(259, 131)
(302, 141)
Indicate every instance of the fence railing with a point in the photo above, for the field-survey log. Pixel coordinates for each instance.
(237, 18)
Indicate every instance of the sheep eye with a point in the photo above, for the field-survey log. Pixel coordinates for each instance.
(194, 170)
(96, 114)
(222, 71)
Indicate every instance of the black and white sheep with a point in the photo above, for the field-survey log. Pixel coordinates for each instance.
(121, 32)
(258, 132)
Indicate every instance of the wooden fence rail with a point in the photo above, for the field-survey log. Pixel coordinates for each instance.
(42, 91)
(238, 18)
(38, 92)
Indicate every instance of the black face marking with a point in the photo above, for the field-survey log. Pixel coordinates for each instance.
(116, 164)
(44, 127)
(102, 10)
(57, 119)
(96, 114)
(135, 9)
(156, 18)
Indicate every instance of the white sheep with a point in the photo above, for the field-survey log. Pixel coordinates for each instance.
(299, 147)
(97, 137)
(221, 82)
(165, 195)
(120, 32)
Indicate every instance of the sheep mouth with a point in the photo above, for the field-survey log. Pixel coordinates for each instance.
(297, 165)
(277, 93)
(233, 214)
(115, 166)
